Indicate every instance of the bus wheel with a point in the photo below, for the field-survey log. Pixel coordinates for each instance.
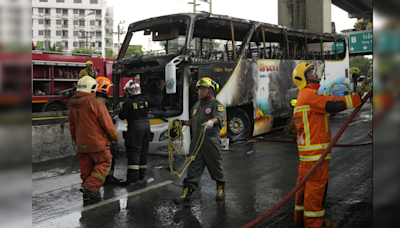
(238, 125)
(55, 106)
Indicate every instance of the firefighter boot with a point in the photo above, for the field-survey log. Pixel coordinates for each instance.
(220, 192)
(142, 175)
(132, 177)
(85, 198)
(89, 194)
(184, 199)
(111, 180)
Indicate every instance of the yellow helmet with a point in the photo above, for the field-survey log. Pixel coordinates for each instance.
(299, 74)
(89, 63)
(87, 84)
(293, 102)
(209, 83)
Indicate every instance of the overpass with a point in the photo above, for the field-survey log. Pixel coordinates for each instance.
(354, 7)
(315, 15)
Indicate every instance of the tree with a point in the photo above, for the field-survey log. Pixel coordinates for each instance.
(59, 49)
(352, 69)
(364, 64)
(83, 50)
(109, 53)
(215, 44)
(132, 50)
(38, 46)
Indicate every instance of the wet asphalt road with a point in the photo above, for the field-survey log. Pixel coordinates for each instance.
(259, 174)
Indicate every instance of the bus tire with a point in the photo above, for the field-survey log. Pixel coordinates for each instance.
(239, 125)
(55, 106)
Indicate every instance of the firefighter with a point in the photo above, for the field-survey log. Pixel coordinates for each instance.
(92, 130)
(88, 71)
(290, 129)
(102, 94)
(137, 138)
(209, 112)
(313, 137)
(355, 76)
(369, 79)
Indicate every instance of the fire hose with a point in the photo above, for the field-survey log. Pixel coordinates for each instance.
(311, 172)
(175, 136)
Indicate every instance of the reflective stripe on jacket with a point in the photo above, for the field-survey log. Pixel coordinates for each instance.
(311, 119)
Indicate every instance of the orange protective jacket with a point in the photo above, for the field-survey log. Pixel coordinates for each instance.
(90, 124)
(311, 119)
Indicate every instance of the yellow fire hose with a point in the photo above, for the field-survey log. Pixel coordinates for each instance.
(175, 129)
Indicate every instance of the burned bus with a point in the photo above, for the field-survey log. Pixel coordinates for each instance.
(252, 62)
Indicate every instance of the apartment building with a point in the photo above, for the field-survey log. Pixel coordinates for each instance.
(73, 24)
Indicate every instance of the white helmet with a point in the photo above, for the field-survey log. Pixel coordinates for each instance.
(132, 87)
(87, 84)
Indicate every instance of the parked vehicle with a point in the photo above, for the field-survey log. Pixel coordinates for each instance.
(53, 74)
(252, 62)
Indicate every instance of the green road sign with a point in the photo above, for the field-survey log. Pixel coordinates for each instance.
(360, 42)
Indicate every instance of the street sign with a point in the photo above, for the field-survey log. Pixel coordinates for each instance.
(360, 42)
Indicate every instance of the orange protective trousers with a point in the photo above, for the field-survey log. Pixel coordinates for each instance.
(308, 209)
(94, 169)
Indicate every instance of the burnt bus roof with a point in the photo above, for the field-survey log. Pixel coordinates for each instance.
(221, 20)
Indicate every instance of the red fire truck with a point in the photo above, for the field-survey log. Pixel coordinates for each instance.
(54, 73)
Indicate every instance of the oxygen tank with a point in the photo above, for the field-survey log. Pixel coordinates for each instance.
(170, 74)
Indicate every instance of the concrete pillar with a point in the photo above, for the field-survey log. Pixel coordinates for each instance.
(312, 15)
(291, 13)
(319, 16)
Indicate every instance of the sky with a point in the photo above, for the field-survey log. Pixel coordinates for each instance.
(258, 10)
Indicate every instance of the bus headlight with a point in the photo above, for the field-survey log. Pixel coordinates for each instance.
(164, 136)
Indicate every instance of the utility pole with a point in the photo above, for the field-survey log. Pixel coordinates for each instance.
(194, 5)
(210, 3)
(119, 32)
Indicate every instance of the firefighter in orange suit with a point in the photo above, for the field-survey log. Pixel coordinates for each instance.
(92, 130)
(313, 137)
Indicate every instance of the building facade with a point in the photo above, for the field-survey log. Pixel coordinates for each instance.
(73, 24)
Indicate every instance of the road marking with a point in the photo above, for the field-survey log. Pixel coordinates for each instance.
(102, 203)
